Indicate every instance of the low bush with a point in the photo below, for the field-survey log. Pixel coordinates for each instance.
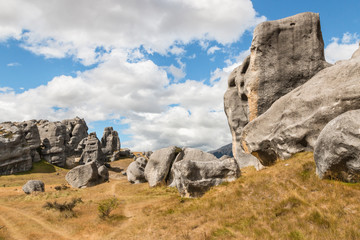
(66, 207)
(105, 207)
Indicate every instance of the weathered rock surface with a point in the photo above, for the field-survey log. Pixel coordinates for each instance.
(53, 136)
(284, 55)
(136, 170)
(110, 141)
(91, 150)
(103, 173)
(76, 130)
(193, 178)
(83, 176)
(159, 164)
(33, 186)
(32, 138)
(293, 123)
(337, 149)
(15, 152)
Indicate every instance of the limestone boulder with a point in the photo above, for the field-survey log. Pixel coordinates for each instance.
(159, 164)
(15, 152)
(193, 178)
(76, 130)
(32, 137)
(293, 123)
(33, 186)
(83, 176)
(285, 54)
(91, 150)
(53, 137)
(103, 173)
(337, 149)
(110, 141)
(136, 170)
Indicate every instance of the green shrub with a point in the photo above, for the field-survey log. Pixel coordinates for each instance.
(106, 206)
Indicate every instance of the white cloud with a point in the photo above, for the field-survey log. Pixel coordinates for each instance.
(59, 28)
(341, 49)
(212, 50)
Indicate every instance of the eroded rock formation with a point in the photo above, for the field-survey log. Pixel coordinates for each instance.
(91, 150)
(110, 141)
(284, 55)
(293, 123)
(136, 170)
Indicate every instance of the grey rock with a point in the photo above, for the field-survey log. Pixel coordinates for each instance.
(293, 123)
(193, 178)
(76, 130)
(159, 164)
(83, 176)
(103, 173)
(53, 141)
(32, 137)
(136, 171)
(91, 150)
(110, 141)
(285, 54)
(337, 149)
(247, 160)
(33, 186)
(15, 152)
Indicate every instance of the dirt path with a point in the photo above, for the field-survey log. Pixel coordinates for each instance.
(14, 215)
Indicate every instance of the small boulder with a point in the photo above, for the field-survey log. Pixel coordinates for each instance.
(103, 173)
(83, 176)
(193, 178)
(337, 150)
(33, 186)
(136, 171)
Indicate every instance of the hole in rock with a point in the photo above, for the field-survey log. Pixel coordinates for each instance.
(292, 24)
(244, 97)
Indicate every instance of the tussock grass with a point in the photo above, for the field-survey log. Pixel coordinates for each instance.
(284, 201)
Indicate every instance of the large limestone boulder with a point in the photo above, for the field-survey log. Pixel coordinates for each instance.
(293, 123)
(159, 164)
(193, 178)
(337, 149)
(83, 176)
(136, 170)
(15, 152)
(284, 55)
(53, 142)
(32, 137)
(33, 186)
(110, 141)
(91, 150)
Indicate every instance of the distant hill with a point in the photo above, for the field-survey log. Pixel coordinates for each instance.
(224, 150)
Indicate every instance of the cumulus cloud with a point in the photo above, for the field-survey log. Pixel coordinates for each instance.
(58, 28)
(125, 85)
(341, 49)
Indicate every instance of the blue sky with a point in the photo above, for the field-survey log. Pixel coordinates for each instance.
(155, 71)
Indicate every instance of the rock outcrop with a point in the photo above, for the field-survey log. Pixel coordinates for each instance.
(337, 149)
(33, 186)
(284, 55)
(110, 141)
(293, 123)
(15, 152)
(91, 150)
(193, 178)
(136, 170)
(60, 139)
(32, 138)
(84, 176)
(159, 164)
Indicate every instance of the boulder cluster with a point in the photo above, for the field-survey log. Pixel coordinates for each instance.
(64, 144)
(190, 170)
(285, 98)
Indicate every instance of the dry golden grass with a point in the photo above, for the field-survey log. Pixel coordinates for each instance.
(285, 201)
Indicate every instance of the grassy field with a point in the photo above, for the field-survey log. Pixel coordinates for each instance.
(285, 201)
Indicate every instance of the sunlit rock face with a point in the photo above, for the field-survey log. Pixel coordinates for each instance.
(285, 54)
